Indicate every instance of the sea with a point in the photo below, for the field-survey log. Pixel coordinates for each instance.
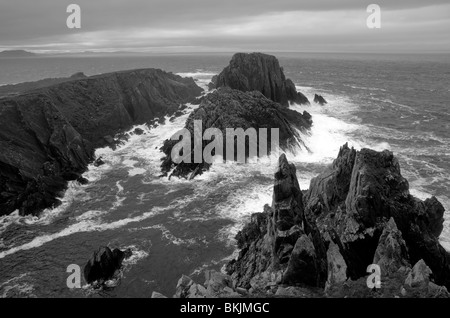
(175, 227)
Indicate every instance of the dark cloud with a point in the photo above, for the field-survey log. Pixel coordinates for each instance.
(118, 24)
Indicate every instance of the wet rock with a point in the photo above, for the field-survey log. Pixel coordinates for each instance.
(228, 108)
(104, 263)
(319, 100)
(99, 162)
(82, 181)
(138, 131)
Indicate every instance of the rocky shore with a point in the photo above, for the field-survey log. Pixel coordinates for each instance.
(48, 134)
(323, 242)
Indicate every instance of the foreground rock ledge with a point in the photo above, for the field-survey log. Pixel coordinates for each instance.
(319, 243)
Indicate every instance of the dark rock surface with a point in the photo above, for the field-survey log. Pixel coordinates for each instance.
(259, 72)
(104, 263)
(48, 135)
(360, 210)
(319, 100)
(229, 108)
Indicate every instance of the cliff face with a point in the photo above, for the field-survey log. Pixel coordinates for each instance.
(47, 136)
(260, 72)
(228, 108)
(356, 213)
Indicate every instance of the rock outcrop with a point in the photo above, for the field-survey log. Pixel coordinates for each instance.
(216, 285)
(355, 198)
(357, 213)
(319, 100)
(284, 247)
(103, 264)
(229, 108)
(259, 72)
(48, 135)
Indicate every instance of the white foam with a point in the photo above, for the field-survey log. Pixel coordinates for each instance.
(85, 225)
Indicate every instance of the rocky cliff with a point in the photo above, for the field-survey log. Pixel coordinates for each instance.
(321, 242)
(259, 72)
(47, 135)
(229, 108)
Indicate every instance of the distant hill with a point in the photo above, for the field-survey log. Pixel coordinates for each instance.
(16, 53)
(16, 89)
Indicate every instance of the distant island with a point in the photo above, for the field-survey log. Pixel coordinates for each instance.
(16, 53)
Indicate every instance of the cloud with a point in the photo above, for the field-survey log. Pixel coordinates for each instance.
(205, 25)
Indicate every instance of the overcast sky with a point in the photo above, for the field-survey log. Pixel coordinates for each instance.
(226, 26)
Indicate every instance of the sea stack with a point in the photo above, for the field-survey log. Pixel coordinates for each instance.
(259, 72)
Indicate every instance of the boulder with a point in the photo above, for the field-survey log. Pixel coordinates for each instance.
(420, 275)
(302, 267)
(319, 100)
(259, 72)
(337, 268)
(183, 287)
(104, 263)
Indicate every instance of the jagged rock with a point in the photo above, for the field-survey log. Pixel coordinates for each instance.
(104, 263)
(60, 125)
(216, 285)
(158, 295)
(287, 197)
(391, 253)
(419, 275)
(319, 100)
(255, 256)
(228, 108)
(219, 285)
(337, 268)
(82, 181)
(255, 229)
(197, 291)
(435, 291)
(183, 287)
(259, 72)
(328, 190)
(434, 216)
(302, 267)
(293, 96)
(362, 208)
(99, 162)
(212, 85)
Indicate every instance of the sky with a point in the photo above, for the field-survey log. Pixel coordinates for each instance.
(407, 26)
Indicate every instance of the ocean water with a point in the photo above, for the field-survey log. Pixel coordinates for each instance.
(175, 227)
